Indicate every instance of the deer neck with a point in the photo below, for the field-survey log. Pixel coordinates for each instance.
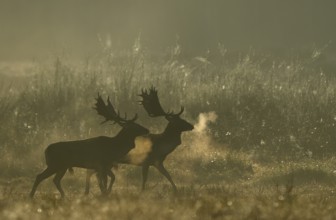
(126, 136)
(169, 141)
(172, 134)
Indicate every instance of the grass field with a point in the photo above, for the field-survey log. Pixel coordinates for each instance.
(263, 148)
(275, 192)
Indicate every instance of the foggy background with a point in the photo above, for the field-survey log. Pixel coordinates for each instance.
(36, 28)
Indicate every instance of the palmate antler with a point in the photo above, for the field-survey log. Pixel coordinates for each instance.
(151, 103)
(109, 113)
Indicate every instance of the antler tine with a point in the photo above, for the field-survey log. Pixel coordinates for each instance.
(151, 103)
(171, 113)
(181, 111)
(100, 107)
(108, 112)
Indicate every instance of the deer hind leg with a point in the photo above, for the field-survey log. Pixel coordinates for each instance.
(89, 173)
(112, 176)
(57, 180)
(39, 178)
(144, 176)
(164, 172)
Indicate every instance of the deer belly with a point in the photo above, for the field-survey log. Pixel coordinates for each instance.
(87, 161)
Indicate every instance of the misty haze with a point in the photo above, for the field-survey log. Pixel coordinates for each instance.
(179, 109)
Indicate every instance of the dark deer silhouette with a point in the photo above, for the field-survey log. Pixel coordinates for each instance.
(98, 153)
(152, 149)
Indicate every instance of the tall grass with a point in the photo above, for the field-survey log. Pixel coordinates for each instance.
(268, 155)
(265, 105)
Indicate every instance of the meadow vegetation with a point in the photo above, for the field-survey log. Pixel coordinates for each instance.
(265, 149)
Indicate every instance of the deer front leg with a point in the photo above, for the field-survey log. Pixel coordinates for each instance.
(112, 176)
(144, 175)
(102, 181)
(89, 173)
(164, 172)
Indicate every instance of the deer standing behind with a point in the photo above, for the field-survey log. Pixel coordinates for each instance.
(98, 154)
(152, 149)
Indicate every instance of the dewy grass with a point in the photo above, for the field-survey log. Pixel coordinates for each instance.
(275, 121)
(217, 201)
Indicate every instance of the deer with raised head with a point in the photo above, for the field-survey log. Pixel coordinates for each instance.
(152, 149)
(98, 154)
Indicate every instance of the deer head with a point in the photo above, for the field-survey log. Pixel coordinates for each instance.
(151, 103)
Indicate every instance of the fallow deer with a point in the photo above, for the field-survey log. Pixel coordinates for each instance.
(152, 149)
(98, 153)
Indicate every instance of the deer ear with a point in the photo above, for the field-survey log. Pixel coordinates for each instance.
(169, 117)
